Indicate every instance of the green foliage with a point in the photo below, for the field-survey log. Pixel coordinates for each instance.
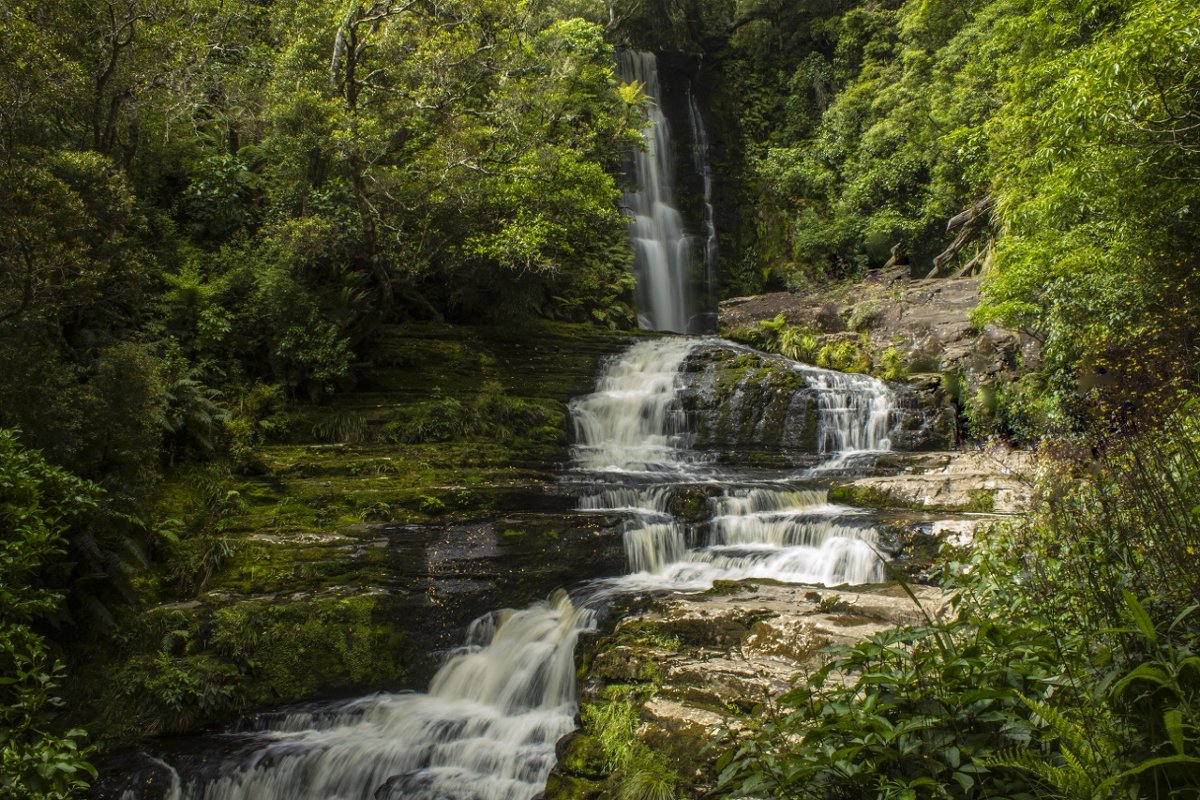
(1047, 676)
(639, 773)
(37, 503)
(492, 413)
(1100, 269)
(891, 365)
(846, 355)
(186, 668)
(859, 126)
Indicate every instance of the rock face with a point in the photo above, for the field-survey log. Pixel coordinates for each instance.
(757, 409)
(928, 319)
(995, 481)
(750, 408)
(686, 668)
(927, 322)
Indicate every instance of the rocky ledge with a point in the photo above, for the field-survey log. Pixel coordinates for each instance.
(988, 481)
(662, 688)
(930, 320)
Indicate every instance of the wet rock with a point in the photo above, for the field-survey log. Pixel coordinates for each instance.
(750, 408)
(691, 503)
(993, 481)
(735, 650)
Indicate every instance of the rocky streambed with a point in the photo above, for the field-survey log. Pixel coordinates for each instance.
(690, 670)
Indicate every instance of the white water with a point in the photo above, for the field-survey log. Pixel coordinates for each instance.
(669, 262)
(487, 726)
(855, 414)
(634, 428)
(633, 422)
(485, 730)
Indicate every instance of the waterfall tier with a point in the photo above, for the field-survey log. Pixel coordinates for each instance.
(686, 523)
(674, 267)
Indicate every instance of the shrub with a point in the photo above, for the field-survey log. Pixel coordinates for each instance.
(37, 503)
(1069, 666)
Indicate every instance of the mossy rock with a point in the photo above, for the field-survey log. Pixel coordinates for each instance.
(724, 587)
(180, 667)
(568, 787)
(691, 503)
(582, 756)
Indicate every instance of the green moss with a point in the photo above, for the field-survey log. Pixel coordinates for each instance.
(864, 497)
(644, 633)
(723, 587)
(585, 757)
(570, 787)
(297, 525)
(980, 500)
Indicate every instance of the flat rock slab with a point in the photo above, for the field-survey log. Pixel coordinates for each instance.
(993, 481)
(695, 665)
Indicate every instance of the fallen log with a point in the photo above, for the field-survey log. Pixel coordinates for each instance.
(971, 214)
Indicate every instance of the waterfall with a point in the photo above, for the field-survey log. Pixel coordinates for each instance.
(672, 267)
(633, 421)
(485, 730)
(701, 162)
(487, 726)
(634, 425)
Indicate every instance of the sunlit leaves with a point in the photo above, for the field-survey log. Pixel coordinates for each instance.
(1095, 170)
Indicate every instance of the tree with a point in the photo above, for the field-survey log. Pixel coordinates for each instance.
(38, 503)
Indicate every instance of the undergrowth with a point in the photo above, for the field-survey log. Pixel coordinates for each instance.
(1066, 664)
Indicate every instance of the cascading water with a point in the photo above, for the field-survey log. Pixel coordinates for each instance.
(634, 422)
(485, 730)
(487, 727)
(634, 426)
(673, 268)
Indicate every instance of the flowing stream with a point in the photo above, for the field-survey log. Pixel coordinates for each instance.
(487, 726)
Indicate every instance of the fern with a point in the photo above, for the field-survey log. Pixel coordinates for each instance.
(1086, 760)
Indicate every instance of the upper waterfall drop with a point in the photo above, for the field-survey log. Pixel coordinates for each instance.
(634, 422)
(673, 267)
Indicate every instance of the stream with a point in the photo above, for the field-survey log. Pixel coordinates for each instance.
(487, 726)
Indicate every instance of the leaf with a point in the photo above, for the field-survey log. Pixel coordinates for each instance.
(1142, 672)
(1151, 763)
(1140, 617)
(1173, 723)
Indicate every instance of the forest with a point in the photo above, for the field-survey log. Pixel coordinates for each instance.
(221, 218)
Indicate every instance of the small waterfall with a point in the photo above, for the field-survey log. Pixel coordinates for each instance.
(855, 412)
(485, 730)
(669, 262)
(634, 422)
(634, 427)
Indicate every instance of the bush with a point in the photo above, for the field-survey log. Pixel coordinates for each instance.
(1069, 665)
(37, 502)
